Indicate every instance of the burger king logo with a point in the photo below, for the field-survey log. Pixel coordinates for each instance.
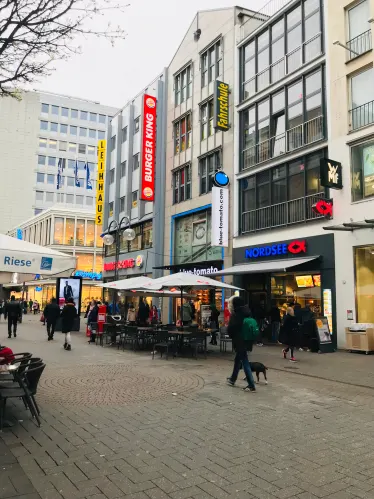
(148, 192)
(150, 103)
(139, 261)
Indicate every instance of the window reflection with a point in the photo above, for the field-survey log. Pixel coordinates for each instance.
(90, 234)
(99, 263)
(69, 233)
(99, 240)
(79, 233)
(136, 244)
(58, 237)
(84, 262)
(147, 235)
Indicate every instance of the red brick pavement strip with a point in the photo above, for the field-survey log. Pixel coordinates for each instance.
(298, 437)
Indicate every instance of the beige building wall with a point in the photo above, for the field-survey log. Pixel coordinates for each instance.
(344, 133)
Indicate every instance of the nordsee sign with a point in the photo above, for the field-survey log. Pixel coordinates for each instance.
(292, 248)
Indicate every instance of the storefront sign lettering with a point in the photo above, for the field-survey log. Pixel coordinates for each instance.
(294, 248)
(220, 217)
(88, 275)
(148, 154)
(101, 161)
(221, 106)
(130, 263)
(331, 173)
(199, 271)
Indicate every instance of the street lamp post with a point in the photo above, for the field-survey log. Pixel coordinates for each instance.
(115, 230)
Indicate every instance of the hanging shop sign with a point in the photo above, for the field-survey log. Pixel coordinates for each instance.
(331, 173)
(100, 183)
(221, 106)
(220, 217)
(324, 207)
(220, 179)
(19, 234)
(292, 248)
(148, 155)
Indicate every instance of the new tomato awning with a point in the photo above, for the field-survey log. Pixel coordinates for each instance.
(260, 267)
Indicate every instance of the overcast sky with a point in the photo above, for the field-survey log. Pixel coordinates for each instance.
(113, 75)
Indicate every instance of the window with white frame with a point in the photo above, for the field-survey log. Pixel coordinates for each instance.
(111, 176)
(124, 134)
(182, 184)
(206, 119)
(113, 143)
(134, 199)
(183, 85)
(122, 204)
(111, 208)
(208, 165)
(182, 134)
(135, 162)
(136, 125)
(211, 63)
(123, 169)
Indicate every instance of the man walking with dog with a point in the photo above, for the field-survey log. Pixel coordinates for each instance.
(243, 330)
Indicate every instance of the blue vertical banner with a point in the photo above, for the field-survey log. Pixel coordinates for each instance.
(60, 169)
(77, 183)
(88, 176)
(19, 234)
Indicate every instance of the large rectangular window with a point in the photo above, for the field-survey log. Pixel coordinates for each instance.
(211, 63)
(207, 167)
(292, 40)
(362, 99)
(282, 195)
(183, 85)
(182, 184)
(362, 161)
(359, 31)
(206, 119)
(182, 134)
(58, 237)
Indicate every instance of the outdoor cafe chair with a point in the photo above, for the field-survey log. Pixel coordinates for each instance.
(28, 382)
(129, 336)
(198, 343)
(164, 343)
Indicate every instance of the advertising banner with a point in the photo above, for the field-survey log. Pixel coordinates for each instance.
(100, 183)
(221, 106)
(220, 217)
(148, 154)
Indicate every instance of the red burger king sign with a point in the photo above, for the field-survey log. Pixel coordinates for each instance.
(147, 192)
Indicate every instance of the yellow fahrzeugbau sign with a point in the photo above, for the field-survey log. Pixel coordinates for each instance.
(100, 182)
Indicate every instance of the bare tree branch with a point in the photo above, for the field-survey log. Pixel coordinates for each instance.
(35, 33)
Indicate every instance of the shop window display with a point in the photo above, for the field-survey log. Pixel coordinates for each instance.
(58, 237)
(364, 270)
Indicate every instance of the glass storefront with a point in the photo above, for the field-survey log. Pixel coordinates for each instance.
(362, 171)
(58, 237)
(48, 291)
(364, 271)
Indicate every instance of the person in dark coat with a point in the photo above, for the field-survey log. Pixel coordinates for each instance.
(241, 346)
(68, 316)
(12, 311)
(51, 314)
(143, 312)
(290, 333)
(92, 317)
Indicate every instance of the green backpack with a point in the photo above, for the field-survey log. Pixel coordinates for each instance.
(250, 329)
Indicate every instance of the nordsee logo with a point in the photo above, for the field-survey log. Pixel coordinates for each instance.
(46, 263)
(10, 260)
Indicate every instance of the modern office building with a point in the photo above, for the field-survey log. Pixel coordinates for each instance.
(197, 147)
(280, 251)
(131, 147)
(36, 134)
(69, 230)
(351, 149)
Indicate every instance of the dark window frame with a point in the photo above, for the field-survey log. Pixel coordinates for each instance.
(205, 173)
(178, 135)
(183, 85)
(182, 191)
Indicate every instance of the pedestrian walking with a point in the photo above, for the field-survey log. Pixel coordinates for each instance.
(51, 314)
(131, 314)
(92, 317)
(1, 308)
(12, 312)
(35, 307)
(243, 330)
(290, 333)
(68, 315)
(143, 313)
(30, 305)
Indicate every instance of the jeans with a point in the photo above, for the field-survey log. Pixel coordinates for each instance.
(241, 358)
(51, 328)
(275, 327)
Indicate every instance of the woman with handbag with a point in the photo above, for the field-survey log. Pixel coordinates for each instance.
(290, 333)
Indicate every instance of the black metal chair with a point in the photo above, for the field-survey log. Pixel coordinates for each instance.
(28, 382)
(164, 343)
(198, 343)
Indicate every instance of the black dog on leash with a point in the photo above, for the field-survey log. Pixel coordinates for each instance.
(258, 367)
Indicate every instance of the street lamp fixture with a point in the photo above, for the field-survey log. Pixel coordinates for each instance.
(115, 231)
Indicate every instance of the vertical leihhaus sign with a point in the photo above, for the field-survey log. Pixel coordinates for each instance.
(220, 217)
(100, 182)
(221, 106)
(148, 154)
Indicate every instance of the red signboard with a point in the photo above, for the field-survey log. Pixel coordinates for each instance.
(147, 190)
(122, 264)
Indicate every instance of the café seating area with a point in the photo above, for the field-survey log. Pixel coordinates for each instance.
(19, 381)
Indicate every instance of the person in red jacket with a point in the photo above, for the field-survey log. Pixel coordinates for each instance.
(6, 355)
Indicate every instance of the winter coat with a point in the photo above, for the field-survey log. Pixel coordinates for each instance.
(236, 332)
(187, 312)
(93, 314)
(51, 312)
(143, 312)
(13, 309)
(131, 315)
(275, 315)
(68, 315)
(290, 331)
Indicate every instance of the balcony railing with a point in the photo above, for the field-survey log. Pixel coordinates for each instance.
(282, 214)
(360, 44)
(294, 138)
(362, 115)
(289, 63)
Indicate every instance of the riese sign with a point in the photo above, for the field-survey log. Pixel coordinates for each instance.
(292, 248)
(148, 155)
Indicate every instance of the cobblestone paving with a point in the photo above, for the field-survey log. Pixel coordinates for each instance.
(119, 425)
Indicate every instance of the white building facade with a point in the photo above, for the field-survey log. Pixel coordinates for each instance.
(38, 132)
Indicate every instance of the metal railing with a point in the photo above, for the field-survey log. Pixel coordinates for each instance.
(362, 115)
(287, 64)
(281, 214)
(294, 138)
(359, 44)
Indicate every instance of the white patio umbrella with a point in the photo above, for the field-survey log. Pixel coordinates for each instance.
(183, 280)
(131, 283)
(17, 256)
(164, 293)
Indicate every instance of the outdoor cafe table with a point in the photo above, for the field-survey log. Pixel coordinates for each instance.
(6, 369)
(184, 333)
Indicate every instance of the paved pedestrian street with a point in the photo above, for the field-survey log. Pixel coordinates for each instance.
(119, 425)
